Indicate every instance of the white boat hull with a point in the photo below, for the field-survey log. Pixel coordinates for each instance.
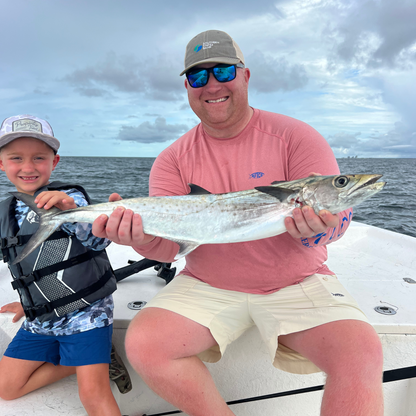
(370, 262)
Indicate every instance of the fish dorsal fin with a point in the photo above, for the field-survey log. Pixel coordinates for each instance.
(185, 247)
(197, 190)
(279, 193)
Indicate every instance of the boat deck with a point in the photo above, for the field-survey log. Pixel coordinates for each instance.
(377, 267)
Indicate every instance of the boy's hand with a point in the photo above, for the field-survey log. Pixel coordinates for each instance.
(14, 307)
(305, 223)
(49, 199)
(122, 227)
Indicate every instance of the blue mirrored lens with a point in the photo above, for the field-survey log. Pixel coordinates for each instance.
(199, 77)
(224, 73)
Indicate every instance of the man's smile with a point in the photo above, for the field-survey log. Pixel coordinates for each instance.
(218, 100)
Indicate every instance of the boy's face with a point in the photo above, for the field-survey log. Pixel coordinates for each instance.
(28, 163)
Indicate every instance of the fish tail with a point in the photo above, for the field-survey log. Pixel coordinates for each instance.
(48, 223)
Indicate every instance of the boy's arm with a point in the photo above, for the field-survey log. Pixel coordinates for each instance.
(68, 199)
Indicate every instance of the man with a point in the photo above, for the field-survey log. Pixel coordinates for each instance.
(280, 284)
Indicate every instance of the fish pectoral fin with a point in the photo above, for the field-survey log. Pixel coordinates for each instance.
(185, 247)
(279, 193)
(197, 190)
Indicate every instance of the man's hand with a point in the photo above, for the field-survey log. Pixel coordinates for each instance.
(49, 199)
(305, 223)
(14, 307)
(122, 227)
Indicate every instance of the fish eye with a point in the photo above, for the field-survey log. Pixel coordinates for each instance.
(341, 181)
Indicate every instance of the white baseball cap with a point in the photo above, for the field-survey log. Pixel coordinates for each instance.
(27, 126)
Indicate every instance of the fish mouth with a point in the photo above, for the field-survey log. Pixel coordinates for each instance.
(368, 181)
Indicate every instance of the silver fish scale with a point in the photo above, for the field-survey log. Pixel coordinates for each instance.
(220, 221)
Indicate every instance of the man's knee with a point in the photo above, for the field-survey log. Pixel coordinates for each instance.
(156, 336)
(365, 361)
(371, 354)
(143, 345)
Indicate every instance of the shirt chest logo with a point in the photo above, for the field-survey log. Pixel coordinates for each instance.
(256, 175)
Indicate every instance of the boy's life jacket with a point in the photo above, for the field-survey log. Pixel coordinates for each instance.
(61, 275)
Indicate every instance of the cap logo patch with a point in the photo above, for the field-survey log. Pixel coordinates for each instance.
(26, 124)
(209, 45)
(197, 48)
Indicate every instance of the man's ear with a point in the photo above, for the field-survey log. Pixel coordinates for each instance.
(247, 74)
(186, 83)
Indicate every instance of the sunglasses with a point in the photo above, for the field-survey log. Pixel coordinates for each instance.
(198, 77)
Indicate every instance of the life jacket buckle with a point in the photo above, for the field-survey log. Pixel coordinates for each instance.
(8, 242)
(32, 313)
(23, 281)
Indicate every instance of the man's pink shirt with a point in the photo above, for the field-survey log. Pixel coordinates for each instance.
(272, 147)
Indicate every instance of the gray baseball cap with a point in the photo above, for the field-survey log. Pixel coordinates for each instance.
(27, 126)
(212, 46)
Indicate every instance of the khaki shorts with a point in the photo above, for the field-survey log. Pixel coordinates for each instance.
(317, 300)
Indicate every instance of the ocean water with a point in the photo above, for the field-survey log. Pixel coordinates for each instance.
(394, 208)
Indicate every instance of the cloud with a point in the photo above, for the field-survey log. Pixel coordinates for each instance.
(375, 33)
(343, 142)
(273, 74)
(147, 132)
(40, 91)
(154, 78)
(400, 141)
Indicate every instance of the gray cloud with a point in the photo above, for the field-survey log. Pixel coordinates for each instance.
(155, 78)
(401, 141)
(92, 92)
(343, 140)
(41, 91)
(269, 74)
(147, 132)
(397, 142)
(115, 72)
(376, 33)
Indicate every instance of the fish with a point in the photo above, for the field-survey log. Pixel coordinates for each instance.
(201, 217)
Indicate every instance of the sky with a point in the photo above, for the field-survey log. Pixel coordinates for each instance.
(105, 74)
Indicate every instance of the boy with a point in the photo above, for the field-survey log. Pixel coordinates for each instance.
(69, 307)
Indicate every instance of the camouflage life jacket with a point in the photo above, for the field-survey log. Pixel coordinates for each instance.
(61, 275)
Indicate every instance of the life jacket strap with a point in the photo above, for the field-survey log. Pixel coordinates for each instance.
(24, 281)
(7, 243)
(36, 311)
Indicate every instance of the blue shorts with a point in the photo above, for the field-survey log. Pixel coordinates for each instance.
(84, 348)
